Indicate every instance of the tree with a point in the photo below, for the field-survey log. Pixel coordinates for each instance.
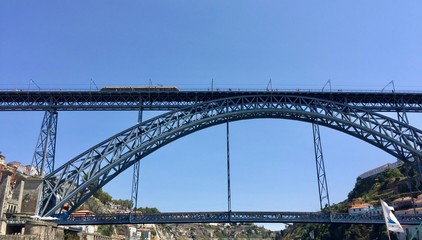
(106, 230)
(102, 196)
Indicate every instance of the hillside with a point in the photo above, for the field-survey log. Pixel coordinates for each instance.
(214, 232)
(388, 185)
(97, 204)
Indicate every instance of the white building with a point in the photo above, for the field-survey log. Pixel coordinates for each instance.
(364, 208)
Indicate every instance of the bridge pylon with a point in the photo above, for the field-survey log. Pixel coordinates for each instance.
(324, 199)
(44, 154)
(413, 186)
(136, 168)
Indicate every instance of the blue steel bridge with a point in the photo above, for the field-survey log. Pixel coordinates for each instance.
(359, 114)
(233, 217)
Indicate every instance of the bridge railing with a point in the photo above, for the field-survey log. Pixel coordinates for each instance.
(233, 217)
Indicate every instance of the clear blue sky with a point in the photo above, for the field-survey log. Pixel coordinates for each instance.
(359, 45)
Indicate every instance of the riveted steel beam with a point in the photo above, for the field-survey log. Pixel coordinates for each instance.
(129, 100)
(78, 179)
(233, 217)
(136, 170)
(324, 198)
(44, 154)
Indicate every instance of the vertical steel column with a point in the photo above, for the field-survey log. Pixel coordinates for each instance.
(135, 183)
(402, 117)
(44, 154)
(229, 200)
(324, 199)
(136, 170)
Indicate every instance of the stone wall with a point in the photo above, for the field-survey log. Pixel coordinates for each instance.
(45, 230)
(93, 236)
(30, 193)
(19, 237)
(4, 190)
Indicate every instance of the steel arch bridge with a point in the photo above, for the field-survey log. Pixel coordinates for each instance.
(74, 182)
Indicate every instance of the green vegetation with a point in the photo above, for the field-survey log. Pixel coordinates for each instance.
(387, 185)
(380, 186)
(147, 210)
(106, 230)
(104, 197)
(124, 203)
(68, 235)
(336, 231)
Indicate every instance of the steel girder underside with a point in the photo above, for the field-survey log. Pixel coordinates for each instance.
(78, 179)
(129, 100)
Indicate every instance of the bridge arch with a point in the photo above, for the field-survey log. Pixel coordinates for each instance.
(78, 179)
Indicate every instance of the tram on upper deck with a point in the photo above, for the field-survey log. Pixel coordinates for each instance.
(139, 89)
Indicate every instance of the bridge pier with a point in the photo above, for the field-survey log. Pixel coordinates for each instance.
(3, 225)
(136, 168)
(44, 230)
(44, 154)
(324, 199)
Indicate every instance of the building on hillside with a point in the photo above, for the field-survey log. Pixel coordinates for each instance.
(2, 160)
(18, 197)
(143, 233)
(132, 232)
(112, 206)
(409, 230)
(410, 211)
(2, 165)
(408, 206)
(381, 169)
(364, 208)
(418, 201)
(82, 213)
(402, 203)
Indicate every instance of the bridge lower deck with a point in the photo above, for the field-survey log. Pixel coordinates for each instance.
(233, 217)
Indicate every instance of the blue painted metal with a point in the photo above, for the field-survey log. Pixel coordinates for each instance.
(136, 171)
(232, 217)
(77, 180)
(129, 101)
(229, 195)
(324, 198)
(44, 154)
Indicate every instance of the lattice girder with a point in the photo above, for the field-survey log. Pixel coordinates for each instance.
(44, 154)
(79, 178)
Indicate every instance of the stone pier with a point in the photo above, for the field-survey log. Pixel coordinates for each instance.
(44, 230)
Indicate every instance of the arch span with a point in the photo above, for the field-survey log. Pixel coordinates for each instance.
(78, 179)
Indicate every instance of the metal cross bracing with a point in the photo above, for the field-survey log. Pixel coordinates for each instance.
(78, 179)
(44, 154)
(136, 170)
(233, 217)
(129, 100)
(324, 198)
(412, 185)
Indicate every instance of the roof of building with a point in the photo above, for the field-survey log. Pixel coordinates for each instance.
(362, 205)
(402, 199)
(82, 212)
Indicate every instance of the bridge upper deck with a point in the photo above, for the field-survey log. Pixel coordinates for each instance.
(168, 100)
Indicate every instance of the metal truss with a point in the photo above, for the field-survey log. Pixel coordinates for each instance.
(233, 217)
(78, 179)
(136, 171)
(44, 154)
(135, 184)
(129, 100)
(324, 198)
